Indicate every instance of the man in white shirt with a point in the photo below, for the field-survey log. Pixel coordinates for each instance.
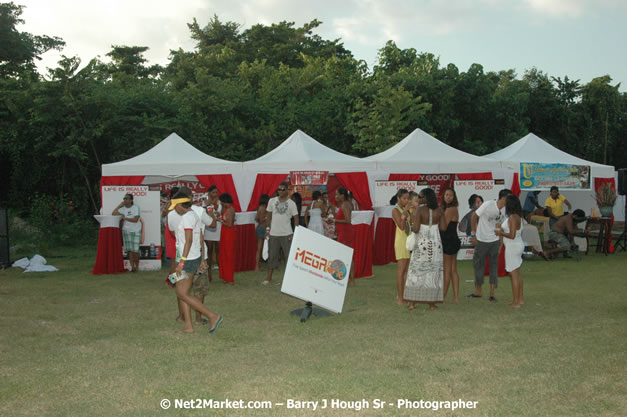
(486, 242)
(281, 210)
(131, 229)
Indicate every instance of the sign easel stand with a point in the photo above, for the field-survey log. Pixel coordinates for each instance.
(308, 310)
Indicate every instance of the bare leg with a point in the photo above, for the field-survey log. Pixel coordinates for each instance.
(185, 313)
(133, 258)
(455, 279)
(432, 306)
(492, 286)
(182, 291)
(258, 256)
(269, 275)
(412, 305)
(521, 297)
(401, 274)
(201, 299)
(216, 246)
(209, 244)
(516, 288)
(181, 307)
(478, 290)
(447, 274)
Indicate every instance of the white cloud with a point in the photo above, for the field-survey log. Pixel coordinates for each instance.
(558, 8)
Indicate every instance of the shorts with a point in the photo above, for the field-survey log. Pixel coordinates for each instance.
(192, 265)
(200, 284)
(276, 243)
(260, 231)
(560, 239)
(131, 240)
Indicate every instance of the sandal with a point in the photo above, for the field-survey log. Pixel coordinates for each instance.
(215, 327)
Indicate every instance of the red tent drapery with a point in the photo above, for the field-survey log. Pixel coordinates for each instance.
(356, 183)
(225, 184)
(265, 184)
(516, 185)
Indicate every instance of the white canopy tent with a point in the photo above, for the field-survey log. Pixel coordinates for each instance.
(171, 158)
(421, 153)
(301, 152)
(531, 148)
(174, 159)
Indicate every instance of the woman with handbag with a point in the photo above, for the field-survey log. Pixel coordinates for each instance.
(400, 216)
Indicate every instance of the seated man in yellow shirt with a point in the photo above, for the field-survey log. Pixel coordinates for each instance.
(556, 203)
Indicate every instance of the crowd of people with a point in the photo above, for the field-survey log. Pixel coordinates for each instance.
(426, 239)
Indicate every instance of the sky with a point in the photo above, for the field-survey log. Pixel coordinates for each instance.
(581, 39)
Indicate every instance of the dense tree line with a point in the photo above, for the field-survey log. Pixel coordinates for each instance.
(239, 93)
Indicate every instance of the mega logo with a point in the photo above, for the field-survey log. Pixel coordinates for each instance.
(337, 269)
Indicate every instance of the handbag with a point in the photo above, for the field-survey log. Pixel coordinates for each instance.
(410, 243)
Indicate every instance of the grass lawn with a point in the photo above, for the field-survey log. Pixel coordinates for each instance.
(74, 344)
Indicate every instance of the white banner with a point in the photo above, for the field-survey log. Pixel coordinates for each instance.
(149, 204)
(464, 189)
(317, 270)
(385, 190)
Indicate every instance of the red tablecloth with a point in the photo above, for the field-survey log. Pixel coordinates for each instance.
(363, 247)
(109, 256)
(384, 242)
(245, 247)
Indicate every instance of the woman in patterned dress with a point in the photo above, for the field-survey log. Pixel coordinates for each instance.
(425, 275)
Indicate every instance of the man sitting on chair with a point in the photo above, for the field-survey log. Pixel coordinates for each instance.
(563, 232)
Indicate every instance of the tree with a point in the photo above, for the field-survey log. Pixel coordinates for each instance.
(602, 104)
(392, 114)
(19, 50)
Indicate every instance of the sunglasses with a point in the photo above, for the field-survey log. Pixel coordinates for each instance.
(282, 189)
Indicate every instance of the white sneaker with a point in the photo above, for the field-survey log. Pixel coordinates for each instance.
(266, 282)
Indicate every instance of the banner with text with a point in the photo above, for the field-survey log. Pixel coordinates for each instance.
(385, 190)
(438, 183)
(199, 192)
(536, 176)
(309, 177)
(147, 199)
(317, 270)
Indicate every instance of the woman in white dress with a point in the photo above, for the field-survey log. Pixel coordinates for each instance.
(510, 231)
(425, 275)
(212, 232)
(313, 216)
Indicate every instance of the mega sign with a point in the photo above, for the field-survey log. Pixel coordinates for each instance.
(317, 268)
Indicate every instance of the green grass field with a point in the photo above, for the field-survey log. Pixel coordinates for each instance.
(74, 344)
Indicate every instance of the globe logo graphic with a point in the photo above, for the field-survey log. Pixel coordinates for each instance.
(337, 269)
